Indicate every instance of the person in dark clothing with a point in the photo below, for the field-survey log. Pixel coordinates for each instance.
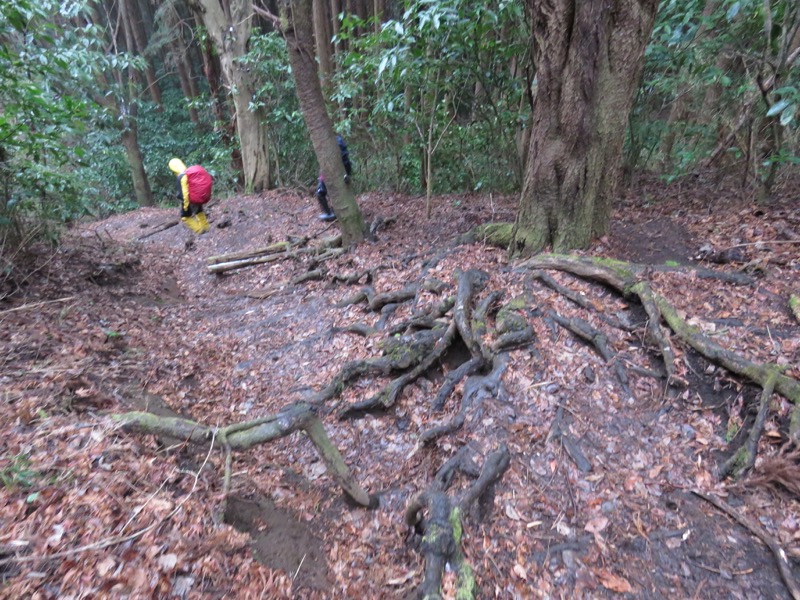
(322, 191)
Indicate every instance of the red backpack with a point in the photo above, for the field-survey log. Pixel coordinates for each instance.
(200, 184)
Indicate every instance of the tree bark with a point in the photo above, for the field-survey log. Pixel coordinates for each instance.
(130, 140)
(589, 57)
(322, 35)
(230, 30)
(297, 14)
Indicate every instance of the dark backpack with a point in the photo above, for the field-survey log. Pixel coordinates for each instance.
(200, 184)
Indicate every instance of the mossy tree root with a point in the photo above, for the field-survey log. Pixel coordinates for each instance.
(398, 354)
(470, 283)
(442, 529)
(247, 435)
(389, 394)
(745, 457)
(624, 277)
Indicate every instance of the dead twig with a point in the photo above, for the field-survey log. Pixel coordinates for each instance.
(35, 305)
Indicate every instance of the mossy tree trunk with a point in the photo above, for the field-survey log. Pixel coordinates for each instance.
(589, 57)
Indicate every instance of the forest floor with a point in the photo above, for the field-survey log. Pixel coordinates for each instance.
(116, 319)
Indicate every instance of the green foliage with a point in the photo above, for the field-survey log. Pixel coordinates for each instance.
(18, 473)
(436, 80)
(44, 69)
(708, 64)
(291, 146)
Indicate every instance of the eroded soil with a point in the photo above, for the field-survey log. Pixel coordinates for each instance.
(119, 318)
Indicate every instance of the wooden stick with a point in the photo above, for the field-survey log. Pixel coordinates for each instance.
(36, 305)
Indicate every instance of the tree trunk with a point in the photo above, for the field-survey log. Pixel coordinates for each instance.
(130, 140)
(322, 34)
(230, 30)
(589, 57)
(140, 41)
(300, 44)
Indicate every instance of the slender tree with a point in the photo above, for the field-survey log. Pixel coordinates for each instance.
(589, 57)
(296, 15)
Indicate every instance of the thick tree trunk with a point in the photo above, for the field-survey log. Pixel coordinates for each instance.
(230, 30)
(300, 44)
(589, 57)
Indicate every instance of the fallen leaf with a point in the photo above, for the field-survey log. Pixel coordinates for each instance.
(596, 525)
(615, 583)
(105, 566)
(167, 562)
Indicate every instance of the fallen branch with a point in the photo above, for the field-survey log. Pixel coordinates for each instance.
(328, 248)
(35, 305)
(758, 531)
(244, 436)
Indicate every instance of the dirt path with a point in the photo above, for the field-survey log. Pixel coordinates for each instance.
(137, 323)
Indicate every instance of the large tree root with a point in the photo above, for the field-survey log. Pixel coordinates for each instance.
(745, 457)
(597, 339)
(244, 436)
(470, 284)
(625, 279)
(475, 390)
(398, 354)
(442, 529)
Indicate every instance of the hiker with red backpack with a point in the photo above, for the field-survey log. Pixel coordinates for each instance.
(194, 190)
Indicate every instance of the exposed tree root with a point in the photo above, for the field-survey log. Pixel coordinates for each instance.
(745, 457)
(470, 329)
(389, 394)
(571, 447)
(579, 300)
(475, 390)
(626, 279)
(244, 436)
(442, 529)
(399, 354)
(597, 339)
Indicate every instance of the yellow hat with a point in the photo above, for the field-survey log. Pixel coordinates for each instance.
(176, 166)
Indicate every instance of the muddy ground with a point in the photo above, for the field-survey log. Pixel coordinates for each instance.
(120, 317)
